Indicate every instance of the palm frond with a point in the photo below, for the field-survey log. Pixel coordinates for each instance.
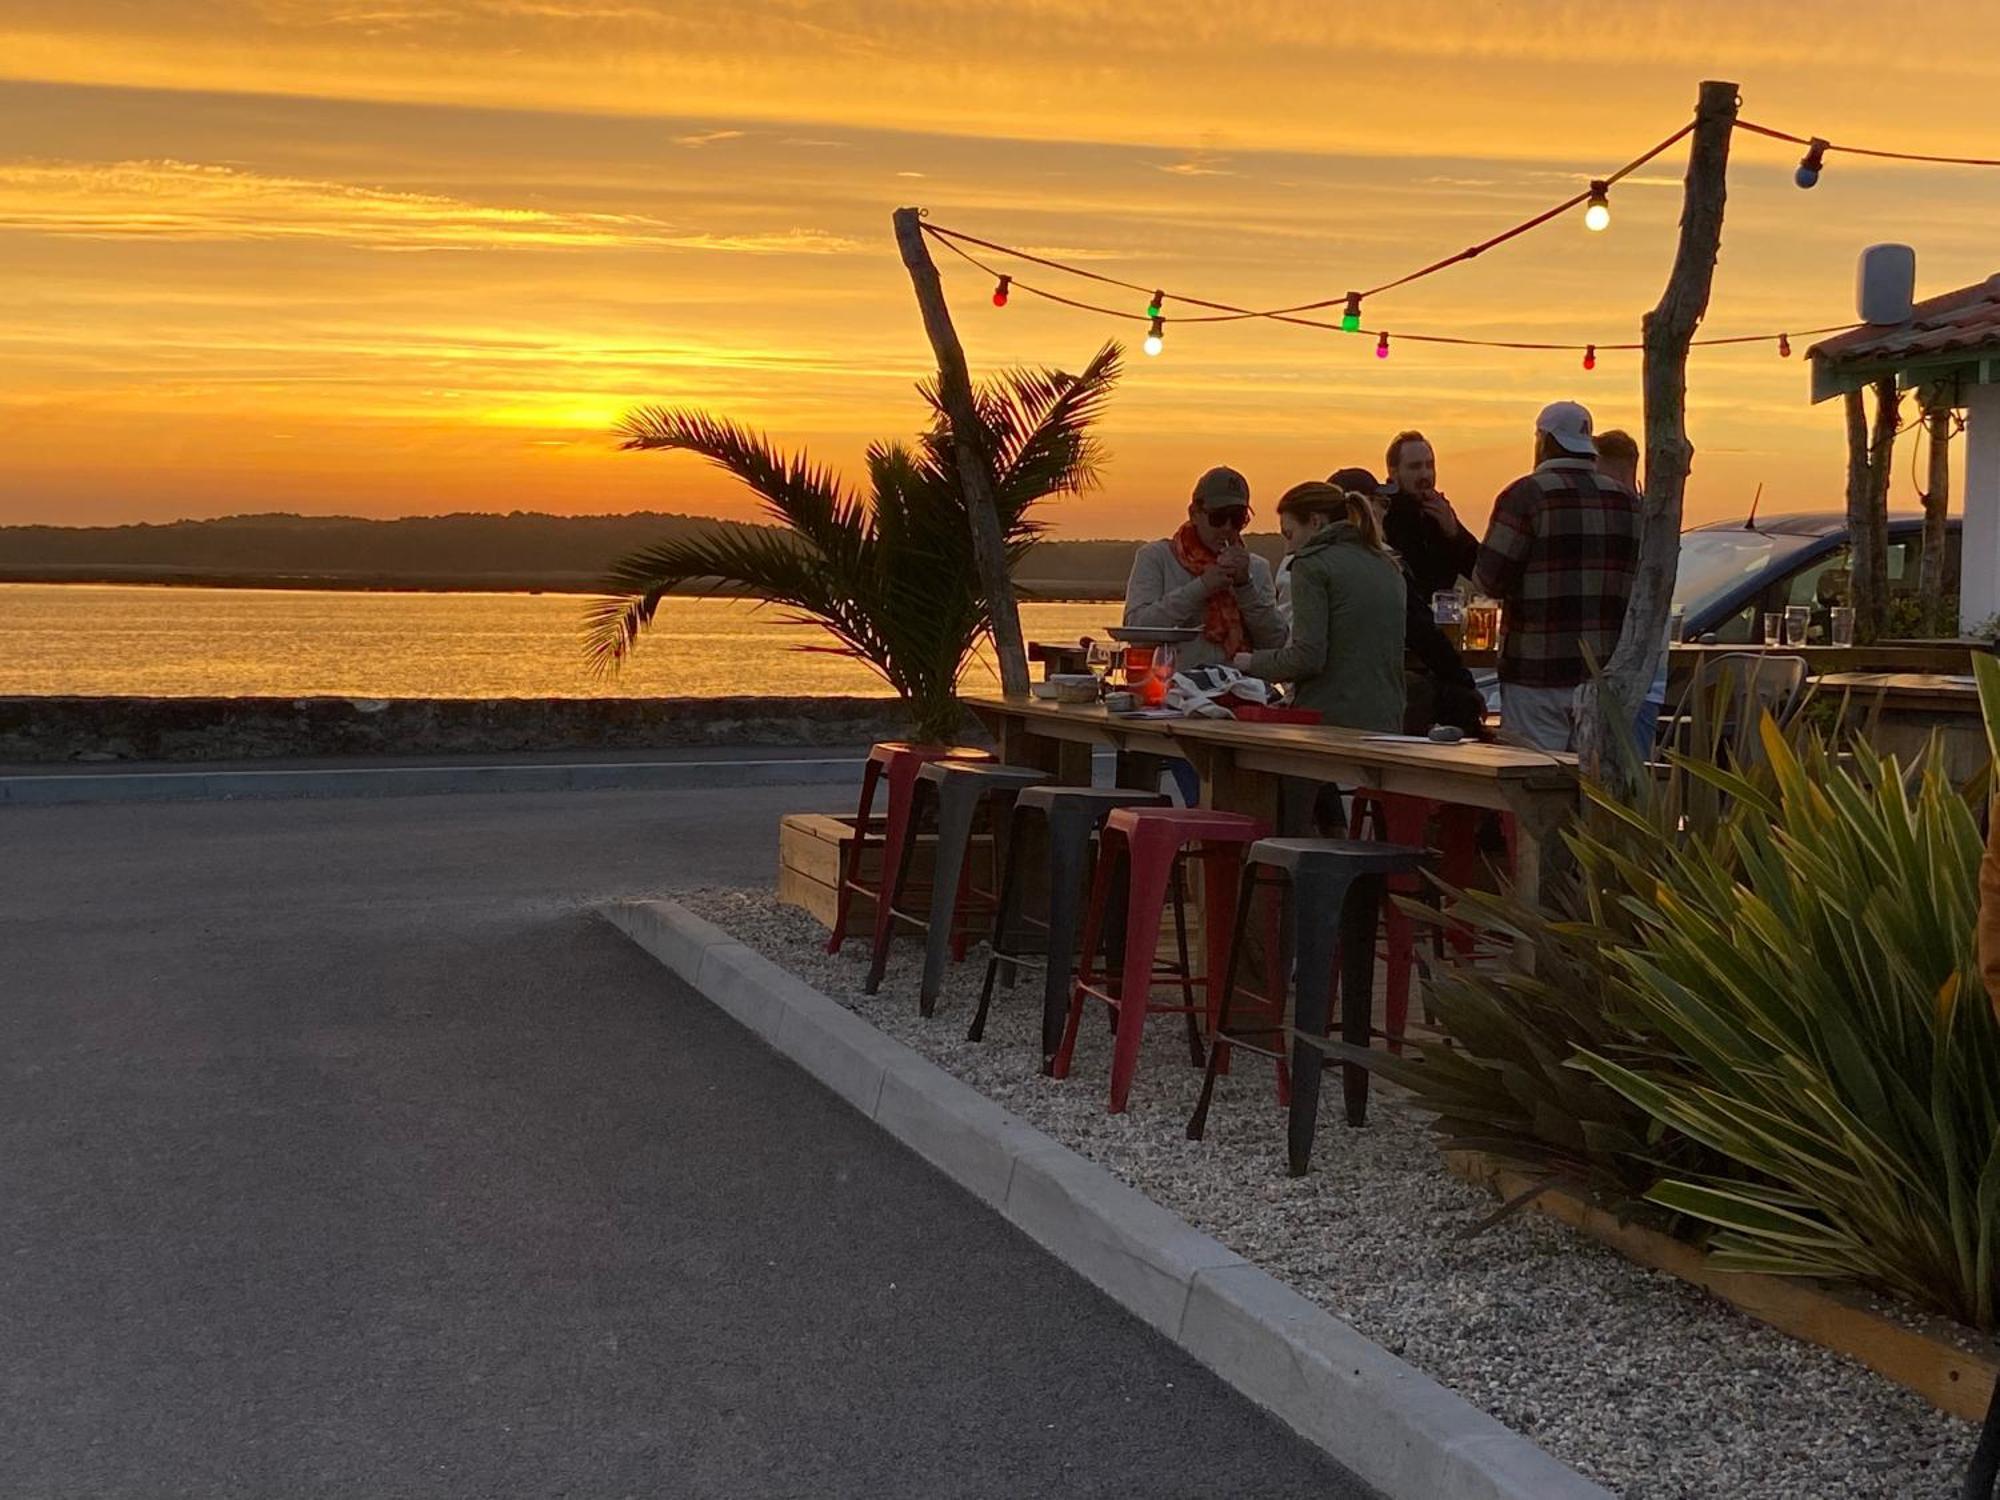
(796, 492)
(766, 565)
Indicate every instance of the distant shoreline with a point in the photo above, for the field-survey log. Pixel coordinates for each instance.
(1046, 591)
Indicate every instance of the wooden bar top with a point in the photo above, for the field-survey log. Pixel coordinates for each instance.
(1468, 759)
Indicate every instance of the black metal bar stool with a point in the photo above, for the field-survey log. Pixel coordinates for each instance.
(1334, 890)
(1071, 817)
(958, 790)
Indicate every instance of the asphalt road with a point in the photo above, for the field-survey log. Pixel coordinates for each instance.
(343, 1153)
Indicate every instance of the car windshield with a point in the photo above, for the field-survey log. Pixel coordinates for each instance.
(1715, 562)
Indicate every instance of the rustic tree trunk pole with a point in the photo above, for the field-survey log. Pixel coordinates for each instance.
(989, 547)
(1668, 329)
(1937, 500)
(1854, 407)
(1868, 461)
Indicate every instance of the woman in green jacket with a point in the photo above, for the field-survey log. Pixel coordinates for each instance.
(1346, 650)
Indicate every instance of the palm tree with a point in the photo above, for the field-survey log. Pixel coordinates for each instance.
(892, 580)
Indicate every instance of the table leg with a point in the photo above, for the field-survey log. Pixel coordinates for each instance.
(1537, 818)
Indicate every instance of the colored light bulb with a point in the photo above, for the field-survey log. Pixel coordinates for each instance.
(1382, 347)
(1810, 164)
(1000, 291)
(1156, 336)
(1350, 321)
(1590, 356)
(1597, 214)
(1784, 346)
(1153, 307)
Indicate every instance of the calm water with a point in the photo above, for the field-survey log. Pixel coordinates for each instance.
(82, 638)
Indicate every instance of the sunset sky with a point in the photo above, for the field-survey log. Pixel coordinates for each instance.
(384, 257)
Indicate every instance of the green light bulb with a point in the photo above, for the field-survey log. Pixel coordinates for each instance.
(1350, 321)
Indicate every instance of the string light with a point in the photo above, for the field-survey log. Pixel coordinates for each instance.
(1156, 336)
(1153, 307)
(1597, 216)
(949, 240)
(1811, 163)
(1382, 347)
(1000, 291)
(1590, 356)
(1784, 346)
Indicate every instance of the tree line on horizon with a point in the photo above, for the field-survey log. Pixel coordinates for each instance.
(517, 549)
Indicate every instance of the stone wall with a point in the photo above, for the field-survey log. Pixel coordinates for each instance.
(39, 730)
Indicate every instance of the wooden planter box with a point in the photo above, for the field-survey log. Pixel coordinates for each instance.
(812, 852)
(1932, 1364)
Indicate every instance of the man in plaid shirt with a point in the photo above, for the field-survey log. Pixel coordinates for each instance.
(1560, 553)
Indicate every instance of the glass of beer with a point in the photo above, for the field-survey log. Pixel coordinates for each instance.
(1482, 625)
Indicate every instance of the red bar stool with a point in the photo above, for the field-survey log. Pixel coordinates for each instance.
(1409, 822)
(1147, 841)
(897, 762)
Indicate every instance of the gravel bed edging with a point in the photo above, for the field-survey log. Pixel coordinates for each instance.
(1390, 1424)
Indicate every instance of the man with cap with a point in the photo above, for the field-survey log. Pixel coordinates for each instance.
(1203, 577)
(1560, 554)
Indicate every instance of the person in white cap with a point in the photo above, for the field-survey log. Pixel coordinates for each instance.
(1560, 554)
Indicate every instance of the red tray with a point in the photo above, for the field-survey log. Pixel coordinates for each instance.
(1264, 713)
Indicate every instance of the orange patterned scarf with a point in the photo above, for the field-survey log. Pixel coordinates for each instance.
(1223, 622)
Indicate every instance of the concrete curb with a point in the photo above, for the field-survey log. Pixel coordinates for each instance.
(416, 781)
(1387, 1422)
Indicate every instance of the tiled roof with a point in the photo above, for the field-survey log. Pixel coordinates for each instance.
(1966, 320)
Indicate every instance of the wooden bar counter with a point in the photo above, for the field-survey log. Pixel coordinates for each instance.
(1240, 763)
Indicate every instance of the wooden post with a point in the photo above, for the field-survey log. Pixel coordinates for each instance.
(989, 547)
(1868, 460)
(1668, 329)
(1937, 500)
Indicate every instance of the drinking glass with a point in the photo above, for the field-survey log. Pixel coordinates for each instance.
(1448, 610)
(1774, 627)
(1798, 620)
(1482, 625)
(1101, 658)
(1840, 624)
(1153, 691)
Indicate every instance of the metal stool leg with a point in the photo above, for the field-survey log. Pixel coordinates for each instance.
(1315, 904)
(958, 805)
(1360, 910)
(1982, 1476)
(851, 868)
(1187, 969)
(900, 845)
(1069, 865)
(1003, 925)
(1218, 1047)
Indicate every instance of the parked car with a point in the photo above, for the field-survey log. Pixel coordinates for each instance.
(1731, 572)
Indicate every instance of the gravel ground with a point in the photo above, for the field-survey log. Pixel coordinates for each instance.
(1647, 1385)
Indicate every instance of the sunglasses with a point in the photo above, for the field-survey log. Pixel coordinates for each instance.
(1234, 516)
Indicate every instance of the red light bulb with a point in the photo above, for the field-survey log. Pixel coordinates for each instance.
(1784, 346)
(1590, 356)
(1000, 291)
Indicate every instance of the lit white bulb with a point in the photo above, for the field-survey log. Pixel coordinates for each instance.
(1597, 216)
(1154, 343)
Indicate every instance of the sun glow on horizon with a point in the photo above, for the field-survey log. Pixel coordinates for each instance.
(414, 259)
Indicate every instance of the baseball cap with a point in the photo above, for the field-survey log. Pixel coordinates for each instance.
(1220, 488)
(1358, 481)
(1568, 422)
